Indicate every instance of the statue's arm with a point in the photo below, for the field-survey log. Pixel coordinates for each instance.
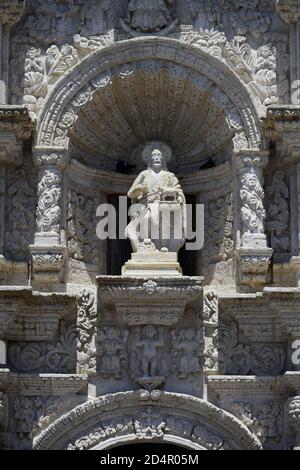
(137, 188)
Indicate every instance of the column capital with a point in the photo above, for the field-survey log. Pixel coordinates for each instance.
(288, 10)
(250, 158)
(282, 125)
(50, 157)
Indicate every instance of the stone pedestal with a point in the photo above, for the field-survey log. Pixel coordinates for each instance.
(151, 328)
(152, 265)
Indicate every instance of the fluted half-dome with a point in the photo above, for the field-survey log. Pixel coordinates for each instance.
(151, 105)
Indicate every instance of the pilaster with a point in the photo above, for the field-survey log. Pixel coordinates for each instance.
(282, 126)
(48, 254)
(15, 127)
(294, 419)
(254, 254)
(10, 13)
(289, 11)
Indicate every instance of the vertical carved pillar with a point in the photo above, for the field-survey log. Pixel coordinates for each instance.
(289, 11)
(294, 419)
(2, 353)
(10, 13)
(49, 249)
(282, 126)
(15, 127)
(254, 254)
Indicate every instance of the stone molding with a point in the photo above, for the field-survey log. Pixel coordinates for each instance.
(46, 384)
(26, 316)
(88, 76)
(66, 428)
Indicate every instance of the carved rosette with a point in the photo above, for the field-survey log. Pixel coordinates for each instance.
(255, 256)
(48, 252)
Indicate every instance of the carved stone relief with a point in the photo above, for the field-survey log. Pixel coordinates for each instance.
(219, 228)
(238, 357)
(81, 220)
(278, 213)
(45, 356)
(20, 212)
(264, 419)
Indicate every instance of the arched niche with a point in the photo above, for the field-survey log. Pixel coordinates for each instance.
(106, 107)
(97, 72)
(158, 417)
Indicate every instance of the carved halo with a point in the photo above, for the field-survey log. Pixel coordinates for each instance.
(161, 146)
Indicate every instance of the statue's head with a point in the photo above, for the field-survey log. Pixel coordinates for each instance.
(149, 332)
(157, 155)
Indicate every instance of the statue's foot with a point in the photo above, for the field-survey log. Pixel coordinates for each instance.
(164, 249)
(147, 245)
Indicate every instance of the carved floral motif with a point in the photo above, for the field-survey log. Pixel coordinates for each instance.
(82, 241)
(278, 212)
(219, 229)
(86, 324)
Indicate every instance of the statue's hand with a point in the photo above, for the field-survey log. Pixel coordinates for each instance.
(139, 191)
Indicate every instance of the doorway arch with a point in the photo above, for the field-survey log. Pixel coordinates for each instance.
(141, 416)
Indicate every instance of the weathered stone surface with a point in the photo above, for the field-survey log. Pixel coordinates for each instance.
(199, 349)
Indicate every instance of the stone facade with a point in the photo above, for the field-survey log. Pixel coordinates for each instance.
(208, 360)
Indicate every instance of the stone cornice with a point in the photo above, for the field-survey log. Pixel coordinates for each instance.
(264, 317)
(250, 385)
(237, 385)
(31, 317)
(288, 10)
(282, 125)
(42, 384)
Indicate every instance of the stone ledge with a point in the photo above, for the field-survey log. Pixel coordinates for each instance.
(30, 316)
(42, 384)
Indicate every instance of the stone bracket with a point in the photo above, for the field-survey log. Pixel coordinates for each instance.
(254, 265)
(48, 263)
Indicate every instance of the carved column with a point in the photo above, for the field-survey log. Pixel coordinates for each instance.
(254, 254)
(282, 126)
(49, 249)
(289, 11)
(15, 127)
(294, 419)
(10, 13)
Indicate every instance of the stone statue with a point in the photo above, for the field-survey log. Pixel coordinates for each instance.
(149, 16)
(151, 340)
(157, 196)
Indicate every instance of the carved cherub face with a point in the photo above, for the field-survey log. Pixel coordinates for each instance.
(251, 181)
(149, 331)
(156, 160)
